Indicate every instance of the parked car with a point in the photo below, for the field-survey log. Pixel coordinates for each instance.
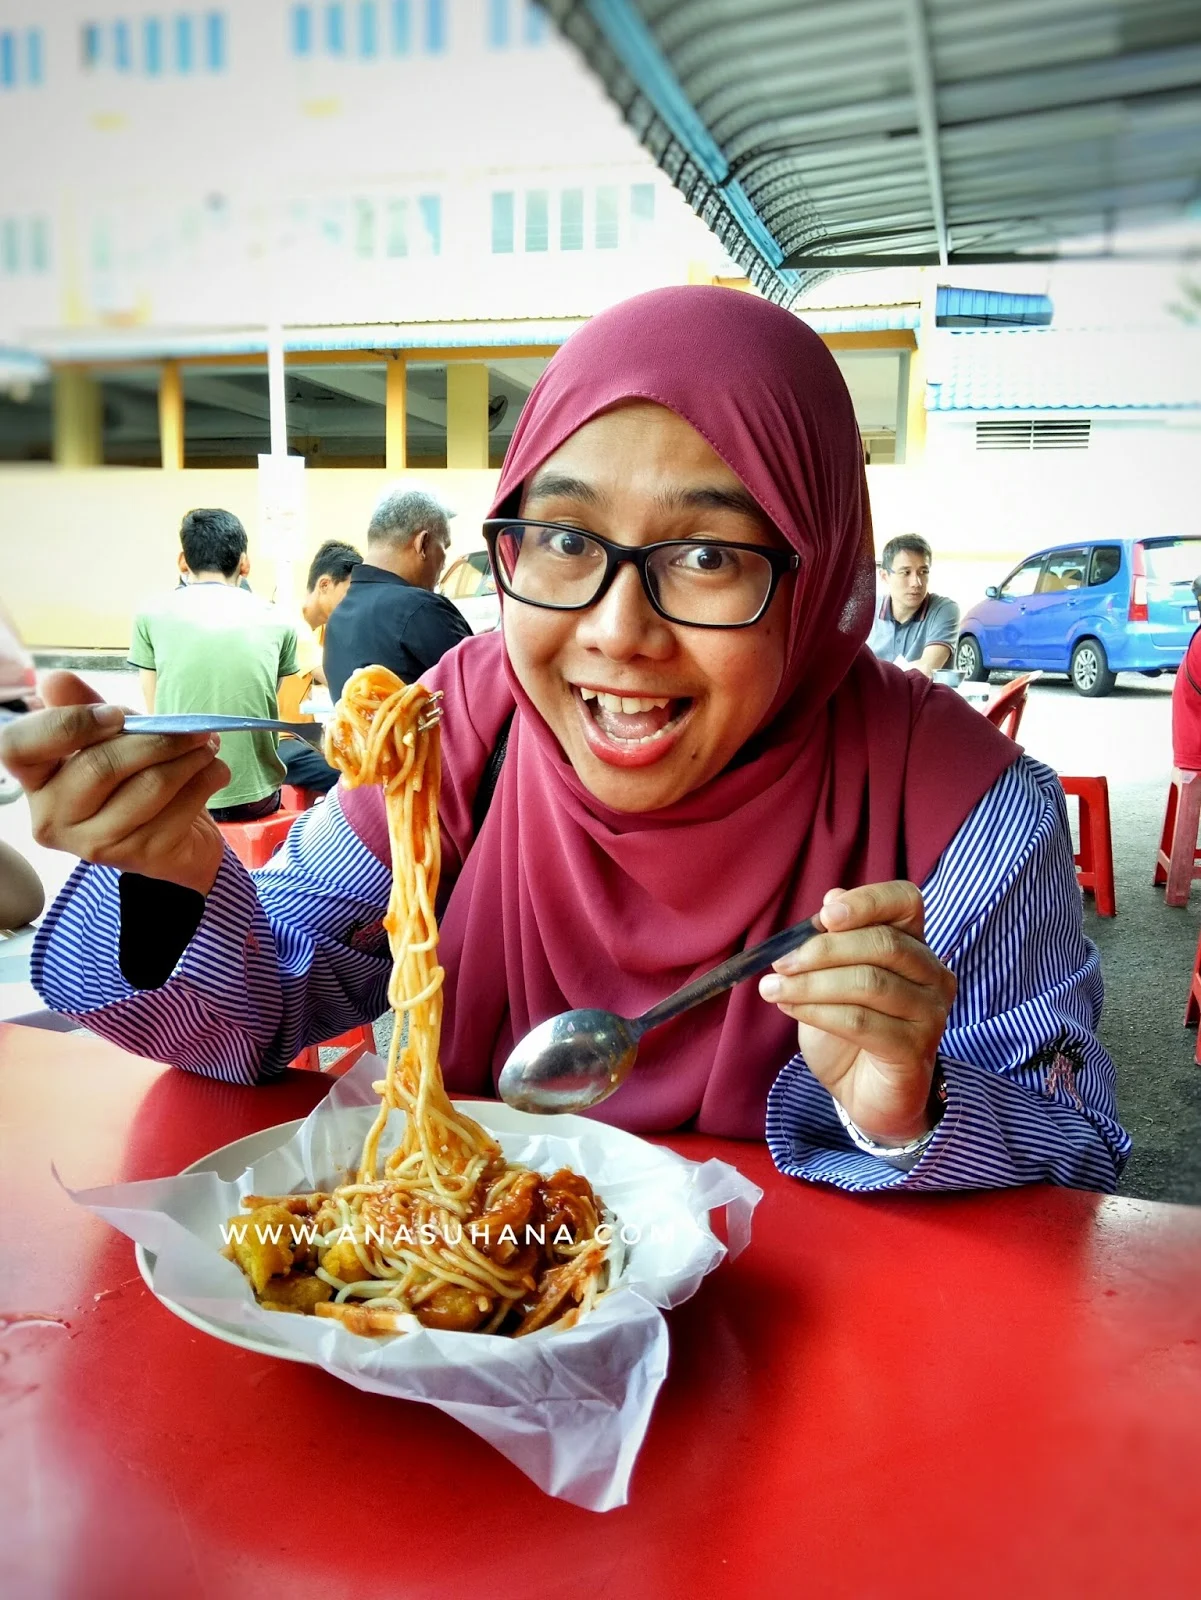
(1091, 610)
(470, 584)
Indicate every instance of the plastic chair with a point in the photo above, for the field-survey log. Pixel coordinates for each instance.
(1005, 712)
(1192, 1006)
(1177, 862)
(292, 798)
(354, 1044)
(1094, 859)
(254, 843)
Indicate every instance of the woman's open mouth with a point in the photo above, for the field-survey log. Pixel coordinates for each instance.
(631, 730)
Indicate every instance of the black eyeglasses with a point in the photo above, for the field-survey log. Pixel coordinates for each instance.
(703, 583)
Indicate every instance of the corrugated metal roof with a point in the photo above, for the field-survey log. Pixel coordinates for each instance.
(158, 344)
(975, 308)
(837, 133)
(1064, 370)
(861, 319)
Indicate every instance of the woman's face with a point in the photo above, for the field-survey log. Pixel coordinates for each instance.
(637, 475)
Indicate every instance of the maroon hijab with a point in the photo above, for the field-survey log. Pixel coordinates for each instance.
(861, 773)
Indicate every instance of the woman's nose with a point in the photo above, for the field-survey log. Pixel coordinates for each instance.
(623, 622)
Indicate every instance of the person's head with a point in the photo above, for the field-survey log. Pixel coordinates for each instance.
(720, 421)
(213, 545)
(328, 581)
(1197, 589)
(906, 565)
(409, 534)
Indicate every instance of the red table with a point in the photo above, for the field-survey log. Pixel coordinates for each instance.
(965, 1397)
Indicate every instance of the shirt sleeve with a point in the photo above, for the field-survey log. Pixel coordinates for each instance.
(141, 650)
(287, 654)
(1030, 1089)
(281, 959)
(944, 624)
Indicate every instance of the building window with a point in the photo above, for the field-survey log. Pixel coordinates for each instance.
(335, 30)
(537, 219)
(606, 218)
(33, 56)
(571, 219)
(642, 211)
(8, 59)
(184, 50)
(10, 245)
(534, 29)
(364, 228)
(397, 243)
(214, 39)
(498, 24)
(39, 245)
(122, 54)
(402, 28)
(435, 26)
(502, 223)
(90, 45)
(430, 208)
(368, 30)
(152, 46)
(302, 30)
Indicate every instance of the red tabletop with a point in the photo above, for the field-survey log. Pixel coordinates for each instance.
(970, 1396)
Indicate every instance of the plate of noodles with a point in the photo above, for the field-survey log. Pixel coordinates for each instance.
(506, 1268)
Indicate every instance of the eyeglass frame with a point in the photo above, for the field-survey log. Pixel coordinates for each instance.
(617, 555)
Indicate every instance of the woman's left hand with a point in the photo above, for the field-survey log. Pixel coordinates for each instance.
(870, 1000)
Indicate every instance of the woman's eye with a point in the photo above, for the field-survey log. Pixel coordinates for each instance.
(707, 558)
(562, 542)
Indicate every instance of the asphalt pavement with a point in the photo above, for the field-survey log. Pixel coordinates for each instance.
(1147, 950)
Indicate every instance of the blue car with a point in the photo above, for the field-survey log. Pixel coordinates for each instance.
(1090, 610)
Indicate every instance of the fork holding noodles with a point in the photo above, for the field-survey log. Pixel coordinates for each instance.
(442, 1231)
(676, 746)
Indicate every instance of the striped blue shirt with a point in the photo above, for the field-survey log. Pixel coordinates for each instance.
(295, 953)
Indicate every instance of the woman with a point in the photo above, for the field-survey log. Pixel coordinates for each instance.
(699, 752)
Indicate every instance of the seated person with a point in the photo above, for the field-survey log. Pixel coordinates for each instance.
(1186, 703)
(328, 581)
(214, 646)
(914, 629)
(700, 751)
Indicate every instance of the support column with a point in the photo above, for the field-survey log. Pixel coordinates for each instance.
(915, 429)
(78, 419)
(171, 417)
(396, 402)
(466, 414)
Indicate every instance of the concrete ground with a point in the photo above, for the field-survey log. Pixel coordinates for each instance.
(1146, 950)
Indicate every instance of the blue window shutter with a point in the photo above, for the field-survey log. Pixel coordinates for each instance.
(185, 50)
(502, 223)
(34, 56)
(402, 28)
(302, 30)
(214, 38)
(435, 26)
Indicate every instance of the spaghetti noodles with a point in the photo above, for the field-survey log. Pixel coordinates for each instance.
(441, 1231)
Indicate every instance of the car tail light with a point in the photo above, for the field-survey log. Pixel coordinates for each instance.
(1138, 587)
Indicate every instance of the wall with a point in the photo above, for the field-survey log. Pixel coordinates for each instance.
(83, 547)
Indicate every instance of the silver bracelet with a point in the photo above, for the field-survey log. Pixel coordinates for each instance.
(902, 1156)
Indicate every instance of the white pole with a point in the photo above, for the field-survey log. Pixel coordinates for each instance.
(275, 390)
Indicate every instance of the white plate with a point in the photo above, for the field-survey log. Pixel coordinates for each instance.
(230, 1162)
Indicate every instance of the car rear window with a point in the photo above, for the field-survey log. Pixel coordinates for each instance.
(1107, 562)
(1172, 560)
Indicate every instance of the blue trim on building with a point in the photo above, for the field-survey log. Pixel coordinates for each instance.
(986, 308)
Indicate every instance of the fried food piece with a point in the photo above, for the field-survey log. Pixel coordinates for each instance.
(454, 1309)
(570, 1203)
(342, 1261)
(299, 1292)
(263, 1244)
(368, 1319)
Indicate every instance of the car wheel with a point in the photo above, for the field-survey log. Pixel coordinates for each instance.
(1090, 672)
(970, 661)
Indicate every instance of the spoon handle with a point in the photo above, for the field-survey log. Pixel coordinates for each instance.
(746, 964)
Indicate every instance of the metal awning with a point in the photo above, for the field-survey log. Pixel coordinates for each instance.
(818, 134)
(985, 308)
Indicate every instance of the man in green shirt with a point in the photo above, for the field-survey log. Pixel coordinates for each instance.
(212, 646)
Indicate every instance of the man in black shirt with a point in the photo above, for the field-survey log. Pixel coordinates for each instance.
(390, 616)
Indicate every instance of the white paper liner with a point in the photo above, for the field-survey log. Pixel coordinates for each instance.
(569, 1408)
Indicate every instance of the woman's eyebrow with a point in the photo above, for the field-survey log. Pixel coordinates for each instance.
(712, 498)
(559, 485)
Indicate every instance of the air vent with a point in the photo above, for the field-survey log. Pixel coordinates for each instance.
(1034, 433)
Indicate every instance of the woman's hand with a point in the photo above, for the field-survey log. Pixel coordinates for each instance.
(871, 1001)
(132, 801)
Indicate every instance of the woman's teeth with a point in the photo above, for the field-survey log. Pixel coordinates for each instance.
(630, 705)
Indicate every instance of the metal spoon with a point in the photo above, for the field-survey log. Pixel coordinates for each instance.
(210, 722)
(578, 1059)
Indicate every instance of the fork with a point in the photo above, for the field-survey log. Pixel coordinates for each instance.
(313, 733)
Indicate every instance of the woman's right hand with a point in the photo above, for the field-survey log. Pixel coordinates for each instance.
(131, 801)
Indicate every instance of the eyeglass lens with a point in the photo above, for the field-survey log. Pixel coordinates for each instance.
(693, 582)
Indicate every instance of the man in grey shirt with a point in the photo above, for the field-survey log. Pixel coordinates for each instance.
(916, 629)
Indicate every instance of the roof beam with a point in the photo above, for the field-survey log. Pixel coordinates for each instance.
(927, 115)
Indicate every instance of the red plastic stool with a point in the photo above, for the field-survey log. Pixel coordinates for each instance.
(1094, 859)
(355, 1043)
(1192, 1006)
(1178, 862)
(293, 799)
(254, 843)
